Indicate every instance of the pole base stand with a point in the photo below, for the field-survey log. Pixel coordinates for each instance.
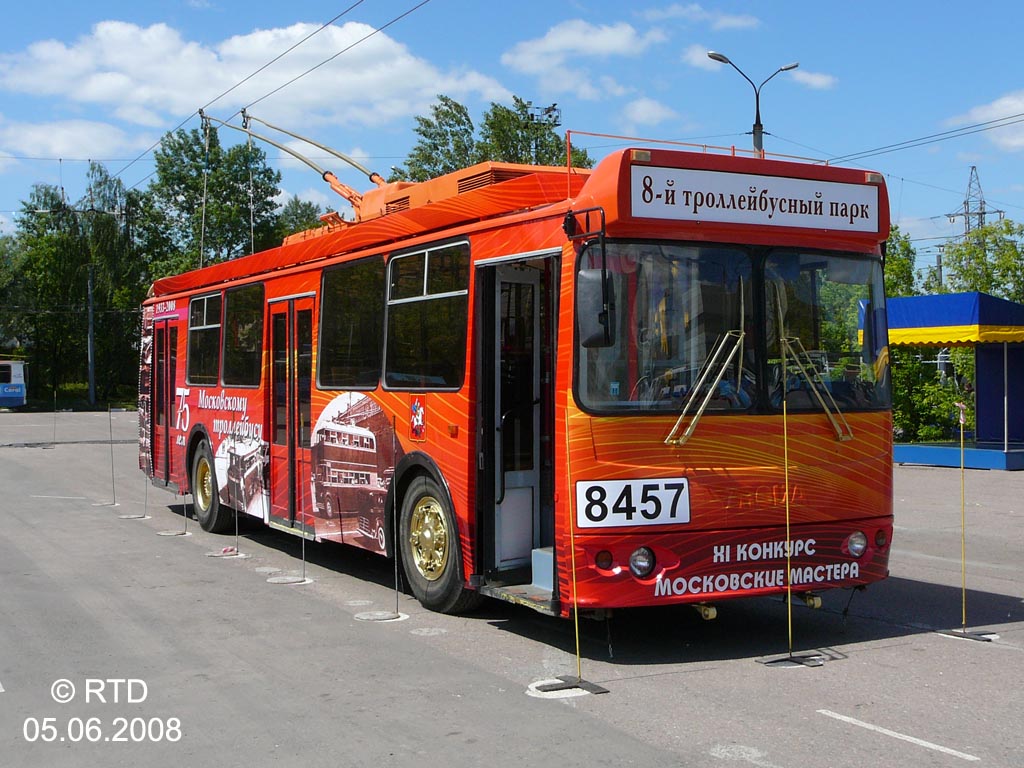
(568, 682)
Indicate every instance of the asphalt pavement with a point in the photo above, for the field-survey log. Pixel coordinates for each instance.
(123, 646)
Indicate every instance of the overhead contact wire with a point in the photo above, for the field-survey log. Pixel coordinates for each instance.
(241, 82)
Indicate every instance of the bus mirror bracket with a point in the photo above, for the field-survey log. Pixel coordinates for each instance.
(595, 297)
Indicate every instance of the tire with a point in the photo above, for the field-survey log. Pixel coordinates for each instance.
(212, 516)
(431, 551)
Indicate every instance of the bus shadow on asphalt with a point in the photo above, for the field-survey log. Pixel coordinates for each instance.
(744, 628)
(756, 628)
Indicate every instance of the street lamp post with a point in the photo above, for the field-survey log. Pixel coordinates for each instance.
(758, 128)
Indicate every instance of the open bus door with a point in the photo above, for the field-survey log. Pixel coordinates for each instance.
(165, 412)
(516, 367)
(291, 381)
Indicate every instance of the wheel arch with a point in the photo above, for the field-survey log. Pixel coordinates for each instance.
(411, 466)
(196, 435)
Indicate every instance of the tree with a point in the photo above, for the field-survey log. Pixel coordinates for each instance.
(900, 256)
(53, 275)
(13, 323)
(63, 259)
(516, 135)
(118, 279)
(296, 216)
(513, 134)
(445, 144)
(989, 259)
(923, 400)
(207, 203)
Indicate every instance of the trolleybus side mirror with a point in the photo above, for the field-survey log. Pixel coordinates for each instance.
(595, 308)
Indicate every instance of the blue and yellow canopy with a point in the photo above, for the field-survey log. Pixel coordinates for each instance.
(952, 319)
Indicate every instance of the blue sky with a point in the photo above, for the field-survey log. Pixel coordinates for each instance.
(104, 80)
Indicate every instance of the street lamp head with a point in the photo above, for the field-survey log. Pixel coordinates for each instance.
(758, 131)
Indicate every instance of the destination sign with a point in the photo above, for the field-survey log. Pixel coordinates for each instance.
(743, 198)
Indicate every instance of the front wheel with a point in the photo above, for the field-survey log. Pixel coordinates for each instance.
(213, 517)
(431, 554)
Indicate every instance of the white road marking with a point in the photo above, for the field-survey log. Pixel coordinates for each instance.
(895, 735)
(75, 498)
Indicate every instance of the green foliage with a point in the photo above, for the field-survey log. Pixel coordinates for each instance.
(53, 278)
(119, 241)
(900, 257)
(297, 216)
(64, 256)
(445, 142)
(990, 260)
(924, 403)
(13, 324)
(201, 208)
(516, 135)
(513, 134)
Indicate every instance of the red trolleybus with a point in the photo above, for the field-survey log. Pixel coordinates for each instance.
(660, 381)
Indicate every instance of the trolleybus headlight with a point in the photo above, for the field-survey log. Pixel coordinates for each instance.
(641, 562)
(856, 544)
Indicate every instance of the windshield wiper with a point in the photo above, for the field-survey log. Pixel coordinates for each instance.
(792, 346)
(715, 366)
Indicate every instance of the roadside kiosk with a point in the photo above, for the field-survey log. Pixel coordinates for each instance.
(995, 328)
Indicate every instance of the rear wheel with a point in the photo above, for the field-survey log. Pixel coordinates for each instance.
(205, 494)
(431, 552)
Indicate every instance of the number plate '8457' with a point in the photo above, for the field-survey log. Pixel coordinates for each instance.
(617, 503)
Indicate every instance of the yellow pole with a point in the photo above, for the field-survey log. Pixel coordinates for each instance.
(789, 542)
(785, 473)
(572, 554)
(963, 524)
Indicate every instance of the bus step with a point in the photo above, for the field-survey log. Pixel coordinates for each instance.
(543, 561)
(523, 594)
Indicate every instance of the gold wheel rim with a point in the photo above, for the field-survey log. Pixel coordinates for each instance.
(204, 484)
(428, 535)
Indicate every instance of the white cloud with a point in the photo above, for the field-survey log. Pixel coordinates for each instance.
(6, 225)
(318, 197)
(816, 80)
(1010, 138)
(969, 158)
(695, 13)
(151, 75)
(696, 55)
(612, 87)
(578, 38)
(68, 138)
(548, 57)
(645, 111)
